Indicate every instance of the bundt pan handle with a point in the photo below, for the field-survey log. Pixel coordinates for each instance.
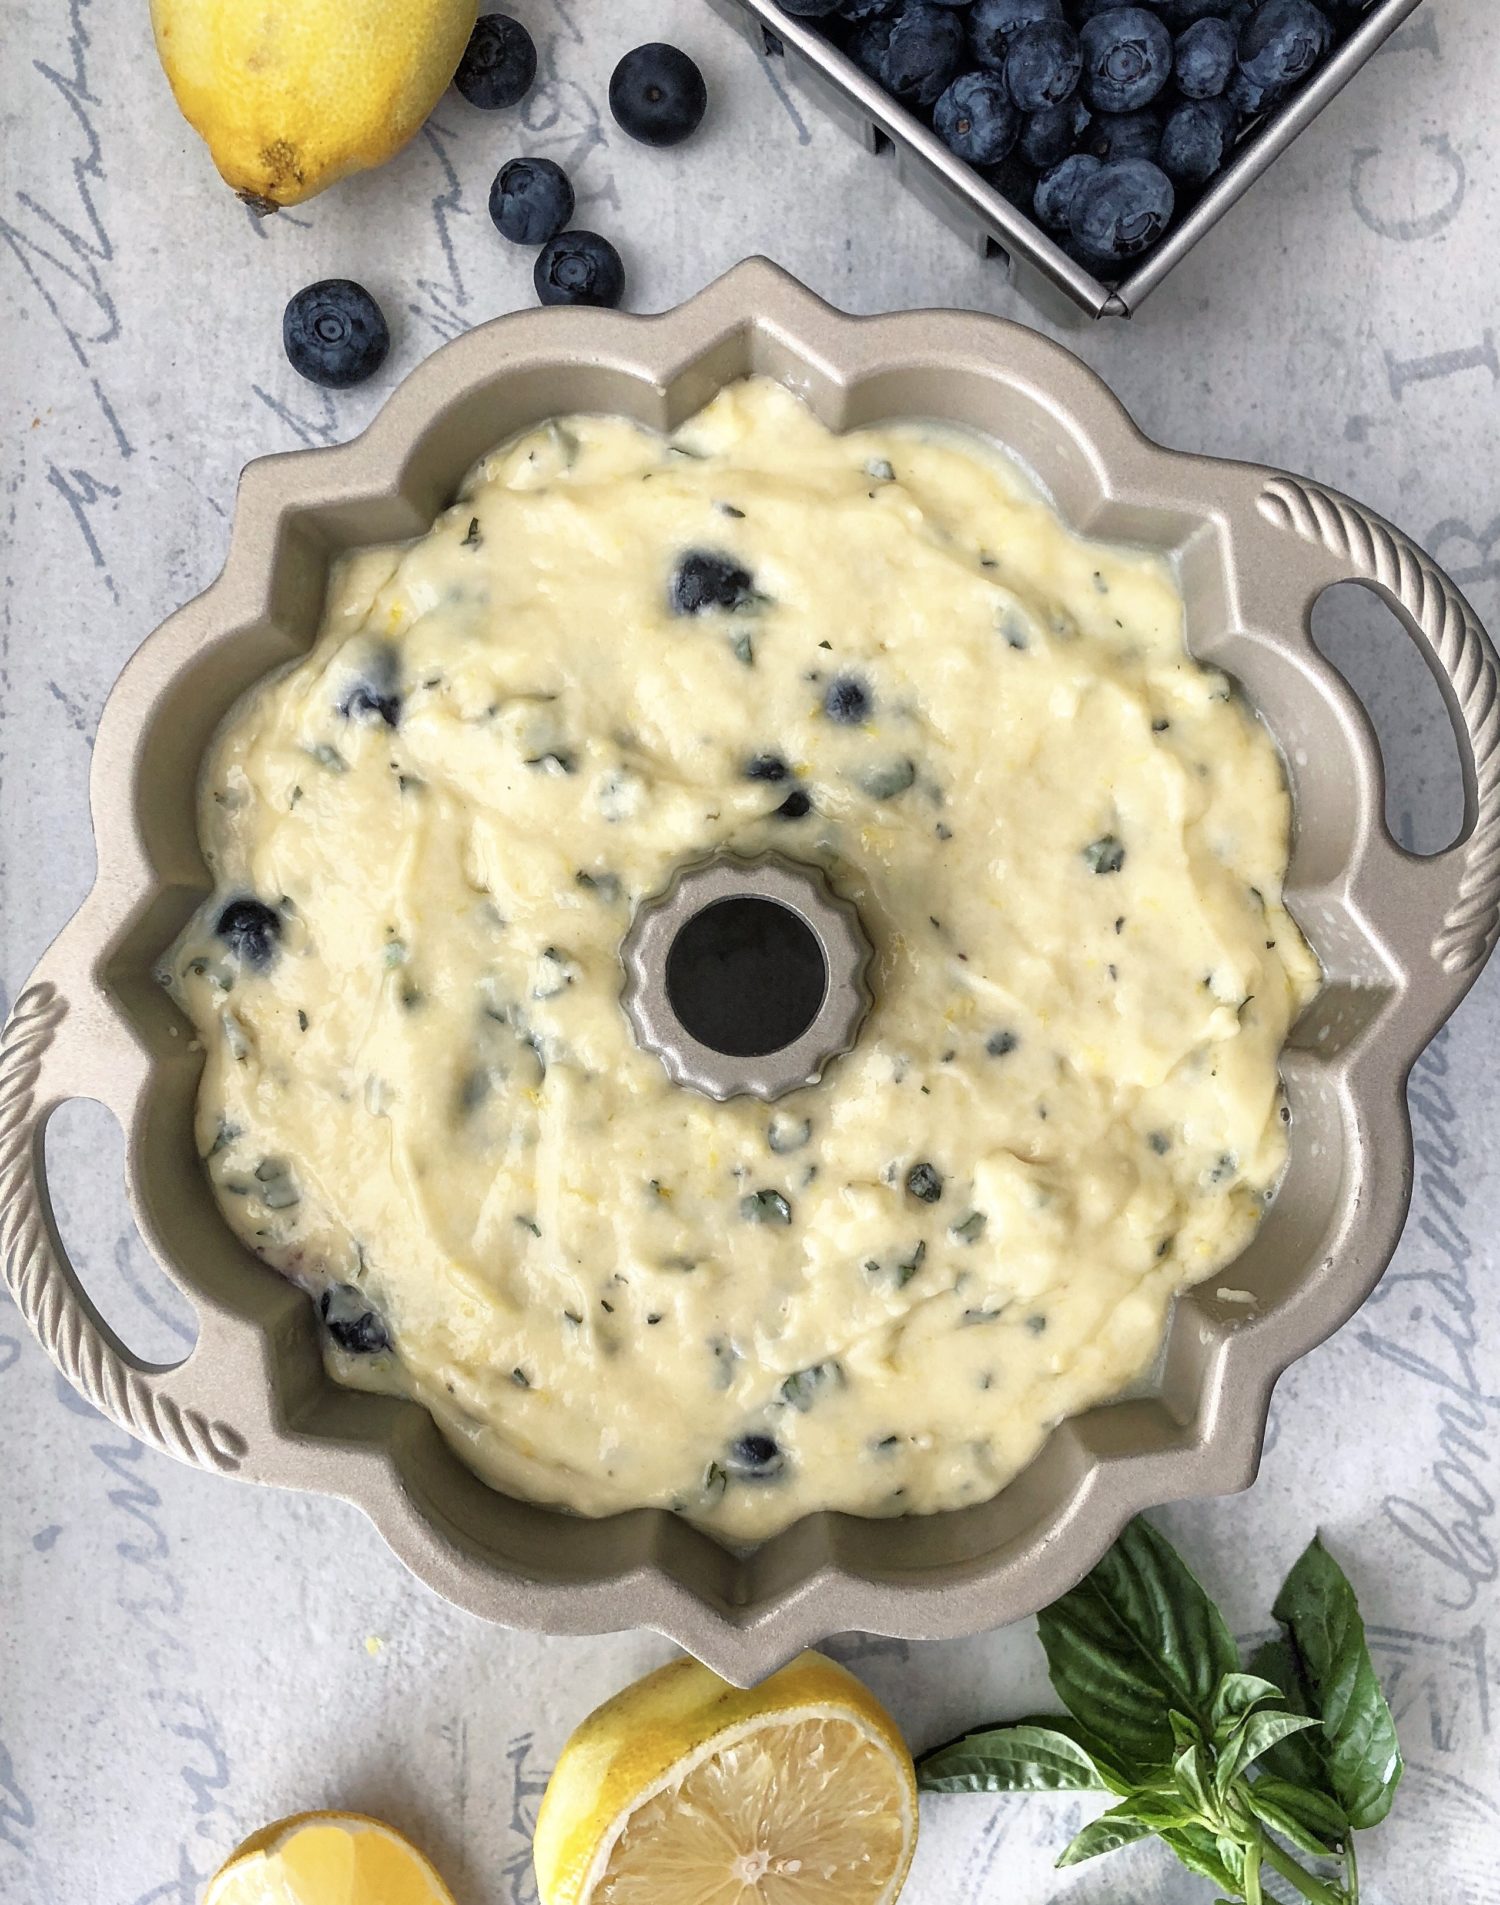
(1442, 915)
(63, 1041)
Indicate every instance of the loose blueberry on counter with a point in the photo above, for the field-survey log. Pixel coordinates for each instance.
(499, 63)
(251, 930)
(1125, 135)
(579, 268)
(1203, 58)
(657, 94)
(531, 201)
(923, 52)
(1048, 136)
(924, 1183)
(1056, 190)
(756, 1457)
(1197, 140)
(993, 22)
(976, 119)
(1042, 65)
(706, 580)
(350, 1321)
(334, 334)
(1122, 209)
(846, 701)
(1280, 44)
(1127, 59)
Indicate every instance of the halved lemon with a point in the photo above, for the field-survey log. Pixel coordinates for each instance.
(684, 1790)
(326, 1858)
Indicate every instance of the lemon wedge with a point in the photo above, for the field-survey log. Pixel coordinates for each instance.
(684, 1790)
(327, 1858)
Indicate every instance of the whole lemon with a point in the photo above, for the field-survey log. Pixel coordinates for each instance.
(290, 95)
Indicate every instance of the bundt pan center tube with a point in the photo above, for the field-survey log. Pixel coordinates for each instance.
(1400, 939)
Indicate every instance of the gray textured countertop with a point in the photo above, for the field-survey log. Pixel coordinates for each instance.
(182, 1658)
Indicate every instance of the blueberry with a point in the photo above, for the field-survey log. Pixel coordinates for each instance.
(352, 1324)
(579, 268)
(1056, 190)
(1197, 140)
(531, 201)
(807, 9)
(1280, 44)
(1048, 136)
(334, 334)
(657, 95)
(1012, 178)
(499, 63)
(757, 1457)
(370, 701)
(1203, 59)
(766, 767)
(924, 1183)
(706, 580)
(923, 52)
(866, 47)
(857, 12)
(992, 22)
(1125, 135)
(975, 118)
(1122, 209)
(1127, 59)
(1043, 64)
(846, 701)
(251, 931)
(796, 806)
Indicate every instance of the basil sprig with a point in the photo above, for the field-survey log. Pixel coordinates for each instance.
(1236, 1771)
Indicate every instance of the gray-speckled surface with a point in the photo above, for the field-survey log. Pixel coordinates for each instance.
(181, 1658)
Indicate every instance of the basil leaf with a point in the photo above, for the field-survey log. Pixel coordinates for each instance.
(1298, 1758)
(1107, 1834)
(1200, 1852)
(1009, 1759)
(1190, 1773)
(1137, 1637)
(1309, 1819)
(1236, 1695)
(1257, 1733)
(1317, 1605)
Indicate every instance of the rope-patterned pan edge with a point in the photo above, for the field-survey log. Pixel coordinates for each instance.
(41, 1287)
(1373, 551)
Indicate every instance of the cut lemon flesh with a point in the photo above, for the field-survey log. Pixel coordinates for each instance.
(683, 1790)
(327, 1858)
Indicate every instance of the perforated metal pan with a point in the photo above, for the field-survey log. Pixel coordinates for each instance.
(1040, 269)
(1401, 940)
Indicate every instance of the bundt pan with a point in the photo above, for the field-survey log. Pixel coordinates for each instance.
(1401, 939)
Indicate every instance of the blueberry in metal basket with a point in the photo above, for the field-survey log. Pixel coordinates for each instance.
(531, 200)
(866, 47)
(1125, 135)
(1042, 65)
(992, 24)
(1197, 140)
(1048, 136)
(579, 268)
(1121, 210)
(499, 63)
(1012, 178)
(657, 94)
(858, 11)
(1057, 189)
(251, 931)
(1203, 58)
(923, 52)
(976, 118)
(808, 9)
(1127, 59)
(1281, 43)
(334, 334)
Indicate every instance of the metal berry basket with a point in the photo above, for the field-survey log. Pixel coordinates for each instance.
(1040, 269)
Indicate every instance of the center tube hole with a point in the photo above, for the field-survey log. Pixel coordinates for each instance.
(746, 976)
